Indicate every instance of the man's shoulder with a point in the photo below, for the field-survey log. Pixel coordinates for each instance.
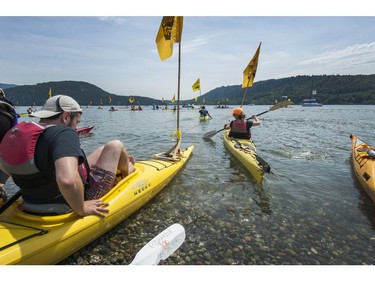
(59, 131)
(58, 128)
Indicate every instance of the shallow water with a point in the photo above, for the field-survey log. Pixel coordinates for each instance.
(309, 210)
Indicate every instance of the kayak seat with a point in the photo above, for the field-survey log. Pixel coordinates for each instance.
(46, 209)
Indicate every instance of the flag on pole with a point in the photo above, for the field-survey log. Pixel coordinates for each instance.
(173, 99)
(170, 32)
(109, 99)
(196, 99)
(162, 100)
(250, 70)
(131, 99)
(50, 92)
(197, 85)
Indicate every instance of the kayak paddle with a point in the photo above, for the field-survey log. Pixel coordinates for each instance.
(161, 246)
(281, 104)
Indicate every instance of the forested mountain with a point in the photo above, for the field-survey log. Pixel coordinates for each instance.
(84, 93)
(6, 86)
(331, 89)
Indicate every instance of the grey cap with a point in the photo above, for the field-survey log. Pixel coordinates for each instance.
(56, 105)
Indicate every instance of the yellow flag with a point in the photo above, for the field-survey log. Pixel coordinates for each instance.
(50, 92)
(250, 70)
(131, 99)
(162, 99)
(197, 85)
(196, 99)
(173, 99)
(170, 32)
(109, 99)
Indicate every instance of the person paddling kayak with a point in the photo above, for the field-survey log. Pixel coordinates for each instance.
(240, 127)
(204, 112)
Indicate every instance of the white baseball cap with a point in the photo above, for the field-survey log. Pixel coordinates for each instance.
(56, 105)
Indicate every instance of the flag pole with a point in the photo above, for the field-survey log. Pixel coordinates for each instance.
(178, 89)
(244, 95)
(176, 152)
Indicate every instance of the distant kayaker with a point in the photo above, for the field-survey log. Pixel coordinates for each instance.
(63, 175)
(204, 112)
(240, 127)
(8, 119)
(30, 110)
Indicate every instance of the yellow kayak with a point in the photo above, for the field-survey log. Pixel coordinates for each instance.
(245, 151)
(38, 239)
(204, 118)
(363, 158)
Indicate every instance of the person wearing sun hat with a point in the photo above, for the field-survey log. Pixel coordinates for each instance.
(240, 127)
(56, 105)
(60, 174)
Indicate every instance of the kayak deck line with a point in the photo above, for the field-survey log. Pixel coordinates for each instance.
(39, 232)
(265, 167)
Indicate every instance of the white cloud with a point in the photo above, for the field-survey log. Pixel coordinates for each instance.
(356, 55)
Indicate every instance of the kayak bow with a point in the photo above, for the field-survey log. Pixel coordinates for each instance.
(363, 158)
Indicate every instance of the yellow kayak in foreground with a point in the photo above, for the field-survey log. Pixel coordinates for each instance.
(38, 239)
(245, 151)
(363, 158)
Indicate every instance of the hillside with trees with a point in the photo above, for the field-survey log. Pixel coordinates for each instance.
(84, 93)
(331, 89)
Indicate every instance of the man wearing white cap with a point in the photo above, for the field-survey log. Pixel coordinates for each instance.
(60, 172)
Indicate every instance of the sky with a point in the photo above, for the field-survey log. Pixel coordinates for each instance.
(115, 48)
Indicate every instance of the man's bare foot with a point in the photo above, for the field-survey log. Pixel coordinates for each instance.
(131, 160)
(131, 164)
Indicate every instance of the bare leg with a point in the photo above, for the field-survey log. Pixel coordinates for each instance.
(112, 156)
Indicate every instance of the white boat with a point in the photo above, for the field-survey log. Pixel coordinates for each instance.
(310, 102)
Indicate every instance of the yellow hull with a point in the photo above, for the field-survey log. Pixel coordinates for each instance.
(246, 153)
(33, 239)
(364, 165)
(204, 118)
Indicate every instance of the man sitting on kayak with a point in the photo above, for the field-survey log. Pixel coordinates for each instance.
(204, 112)
(240, 127)
(59, 171)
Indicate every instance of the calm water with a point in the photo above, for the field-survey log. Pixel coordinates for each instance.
(309, 210)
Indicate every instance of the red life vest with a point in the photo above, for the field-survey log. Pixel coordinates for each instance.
(18, 147)
(238, 129)
(17, 150)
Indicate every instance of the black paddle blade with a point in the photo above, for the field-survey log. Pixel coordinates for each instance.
(265, 167)
(210, 134)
